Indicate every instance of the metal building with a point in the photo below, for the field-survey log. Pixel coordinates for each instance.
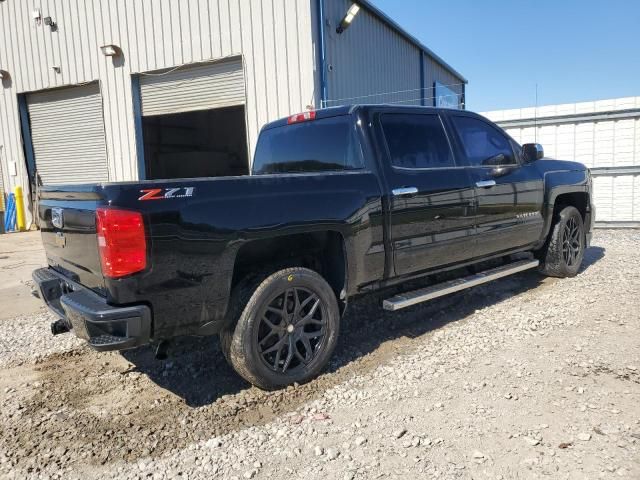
(120, 90)
(604, 135)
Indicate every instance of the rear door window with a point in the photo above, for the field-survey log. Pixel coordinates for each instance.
(322, 145)
(416, 141)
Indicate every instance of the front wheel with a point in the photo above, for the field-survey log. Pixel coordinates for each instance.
(564, 250)
(287, 330)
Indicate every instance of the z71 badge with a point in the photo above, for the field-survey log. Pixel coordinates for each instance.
(166, 193)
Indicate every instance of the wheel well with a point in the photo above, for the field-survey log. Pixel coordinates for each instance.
(580, 200)
(323, 252)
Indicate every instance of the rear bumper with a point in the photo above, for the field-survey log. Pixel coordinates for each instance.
(88, 315)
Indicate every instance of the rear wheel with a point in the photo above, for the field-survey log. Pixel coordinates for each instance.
(564, 250)
(286, 331)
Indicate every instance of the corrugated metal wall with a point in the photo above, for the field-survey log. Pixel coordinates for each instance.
(275, 38)
(372, 63)
(368, 60)
(602, 144)
(433, 72)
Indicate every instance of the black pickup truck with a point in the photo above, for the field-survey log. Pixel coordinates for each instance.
(341, 202)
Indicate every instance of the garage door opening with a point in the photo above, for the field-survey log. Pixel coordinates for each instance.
(193, 121)
(203, 143)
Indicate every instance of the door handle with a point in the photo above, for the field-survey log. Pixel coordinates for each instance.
(486, 183)
(398, 192)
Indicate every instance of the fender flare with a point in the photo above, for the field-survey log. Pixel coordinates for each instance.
(556, 183)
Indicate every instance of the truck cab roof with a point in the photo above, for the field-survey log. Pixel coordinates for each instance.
(348, 109)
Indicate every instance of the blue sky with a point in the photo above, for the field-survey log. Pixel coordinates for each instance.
(574, 50)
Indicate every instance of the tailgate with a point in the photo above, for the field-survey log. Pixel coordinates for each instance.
(67, 221)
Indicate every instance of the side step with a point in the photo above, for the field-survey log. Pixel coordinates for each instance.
(422, 295)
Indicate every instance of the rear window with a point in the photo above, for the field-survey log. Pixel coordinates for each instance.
(323, 145)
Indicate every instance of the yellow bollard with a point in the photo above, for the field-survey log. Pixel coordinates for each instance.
(20, 220)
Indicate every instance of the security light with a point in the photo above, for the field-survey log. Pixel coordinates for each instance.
(348, 18)
(111, 50)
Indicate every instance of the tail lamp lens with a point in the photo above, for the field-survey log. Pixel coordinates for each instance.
(121, 242)
(302, 117)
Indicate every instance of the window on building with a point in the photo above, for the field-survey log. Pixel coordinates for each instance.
(323, 145)
(416, 141)
(205, 143)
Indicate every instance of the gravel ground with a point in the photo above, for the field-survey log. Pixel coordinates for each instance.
(526, 377)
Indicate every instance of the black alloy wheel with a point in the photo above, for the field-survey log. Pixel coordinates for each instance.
(292, 330)
(282, 328)
(563, 251)
(571, 242)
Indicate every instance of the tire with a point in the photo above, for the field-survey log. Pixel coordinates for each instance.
(563, 253)
(286, 329)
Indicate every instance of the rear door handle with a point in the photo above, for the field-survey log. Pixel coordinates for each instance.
(486, 183)
(398, 192)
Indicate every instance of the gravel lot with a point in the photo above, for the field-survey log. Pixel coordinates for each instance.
(527, 377)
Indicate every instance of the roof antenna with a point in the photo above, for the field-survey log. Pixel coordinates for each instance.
(535, 118)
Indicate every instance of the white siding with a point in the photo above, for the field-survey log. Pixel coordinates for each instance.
(617, 198)
(598, 144)
(153, 35)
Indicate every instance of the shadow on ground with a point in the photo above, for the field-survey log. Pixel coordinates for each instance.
(197, 372)
(591, 256)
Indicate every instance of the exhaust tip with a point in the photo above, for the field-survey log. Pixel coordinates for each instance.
(59, 326)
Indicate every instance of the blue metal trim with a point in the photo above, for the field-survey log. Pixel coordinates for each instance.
(386, 19)
(27, 142)
(423, 87)
(137, 116)
(322, 54)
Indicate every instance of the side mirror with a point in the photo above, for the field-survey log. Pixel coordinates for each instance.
(532, 152)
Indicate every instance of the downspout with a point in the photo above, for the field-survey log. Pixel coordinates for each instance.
(422, 85)
(322, 60)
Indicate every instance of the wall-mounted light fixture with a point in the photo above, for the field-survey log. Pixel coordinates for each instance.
(111, 50)
(48, 21)
(348, 18)
(4, 75)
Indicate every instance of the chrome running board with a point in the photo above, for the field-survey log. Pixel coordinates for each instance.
(408, 299)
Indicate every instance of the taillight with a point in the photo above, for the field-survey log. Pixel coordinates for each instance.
(302, 117)
(121, 242)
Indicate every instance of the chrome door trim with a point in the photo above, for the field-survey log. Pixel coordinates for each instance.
(398, 192)
(486, 183)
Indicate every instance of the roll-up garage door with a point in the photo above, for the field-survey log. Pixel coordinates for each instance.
(189, 89)
(67, 132)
